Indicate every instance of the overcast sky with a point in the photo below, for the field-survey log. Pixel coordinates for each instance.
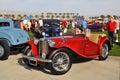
(86, 7)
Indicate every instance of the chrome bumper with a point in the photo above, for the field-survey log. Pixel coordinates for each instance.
(37, 59)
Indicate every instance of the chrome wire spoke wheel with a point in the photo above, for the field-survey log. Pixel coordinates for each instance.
(105, 50)
(1, 51)
(61, 61)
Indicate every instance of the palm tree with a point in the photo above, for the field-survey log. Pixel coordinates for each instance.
(77, 14)
(24, 16)
(52, 16)
(36, 16)
(60, 14)
(19, 16)
(82, 17)
(42, 16)
(63, 16)
(12, 16)
(74, 16)
(1, 15)
(102, 16)
(114, 16)
(68, 16)
(47, 16)
(6, 16)
(57, 16)
(108, 16)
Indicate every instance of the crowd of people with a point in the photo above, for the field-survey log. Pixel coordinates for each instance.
(28, 25)
(78, 25)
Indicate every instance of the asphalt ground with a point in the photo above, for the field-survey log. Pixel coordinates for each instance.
(82, 69)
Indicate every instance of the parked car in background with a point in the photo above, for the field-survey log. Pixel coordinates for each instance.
(95, 27)
(51, 27)
(57, 52)
(11, 38)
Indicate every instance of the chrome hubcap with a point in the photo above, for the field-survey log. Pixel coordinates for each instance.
(1, 51)
(105, 50)
(61, 61)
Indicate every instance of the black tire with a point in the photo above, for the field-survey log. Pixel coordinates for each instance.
(27, 52)
(4, 50)
(105, 52)
(61, 61)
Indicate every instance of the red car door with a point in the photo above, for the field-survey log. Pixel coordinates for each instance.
(91, 48)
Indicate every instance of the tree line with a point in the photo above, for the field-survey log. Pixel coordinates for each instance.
(53, 15)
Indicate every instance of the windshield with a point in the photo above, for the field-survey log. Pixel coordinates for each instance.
(51, 23)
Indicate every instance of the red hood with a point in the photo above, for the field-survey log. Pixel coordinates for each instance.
(67, 38)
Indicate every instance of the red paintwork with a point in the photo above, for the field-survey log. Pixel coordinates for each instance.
(81, 45)
(34, 47)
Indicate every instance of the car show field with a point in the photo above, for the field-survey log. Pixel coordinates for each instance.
(82, 69)
(55, 41)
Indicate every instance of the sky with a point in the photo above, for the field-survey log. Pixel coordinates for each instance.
(84, 7)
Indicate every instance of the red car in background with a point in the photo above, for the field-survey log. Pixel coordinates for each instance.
(57, 52)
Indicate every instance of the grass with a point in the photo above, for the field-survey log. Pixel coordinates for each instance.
(31, 35)
(115, 51)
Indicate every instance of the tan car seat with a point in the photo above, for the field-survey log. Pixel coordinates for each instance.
(95, 37)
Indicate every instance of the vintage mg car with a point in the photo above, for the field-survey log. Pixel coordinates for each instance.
(10, 38)
(57, 52)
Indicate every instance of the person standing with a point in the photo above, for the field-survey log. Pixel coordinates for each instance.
(84, 24)
(64, 26)
(111, 26)
(29, 25)
(40, 22)
(117, 28)
(25, 24)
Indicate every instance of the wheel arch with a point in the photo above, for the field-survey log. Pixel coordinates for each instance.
(71, 52)
(100, 47)
(7, 41)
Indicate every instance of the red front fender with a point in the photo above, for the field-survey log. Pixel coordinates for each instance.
(102, 41)
(33, 47)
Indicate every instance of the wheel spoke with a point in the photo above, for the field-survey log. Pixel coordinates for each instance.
(104, 50)
(61, 61)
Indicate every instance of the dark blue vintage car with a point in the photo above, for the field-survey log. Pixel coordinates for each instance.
(52, 27)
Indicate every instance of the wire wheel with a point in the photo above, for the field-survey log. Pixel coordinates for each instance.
(105, 52)
(61, 61)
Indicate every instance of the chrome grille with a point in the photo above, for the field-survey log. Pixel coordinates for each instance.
(43, 46)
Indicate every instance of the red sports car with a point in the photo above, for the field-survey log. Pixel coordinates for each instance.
(57, 52)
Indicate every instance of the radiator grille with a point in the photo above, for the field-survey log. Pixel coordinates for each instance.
(43, 46)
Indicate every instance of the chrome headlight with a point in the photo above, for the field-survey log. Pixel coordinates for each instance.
(43, 33)
(36, 41)
(61, 33)
(51, 43)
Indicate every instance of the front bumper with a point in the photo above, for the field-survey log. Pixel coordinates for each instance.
(36, 59)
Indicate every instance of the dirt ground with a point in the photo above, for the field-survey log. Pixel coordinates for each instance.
(15, 69)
